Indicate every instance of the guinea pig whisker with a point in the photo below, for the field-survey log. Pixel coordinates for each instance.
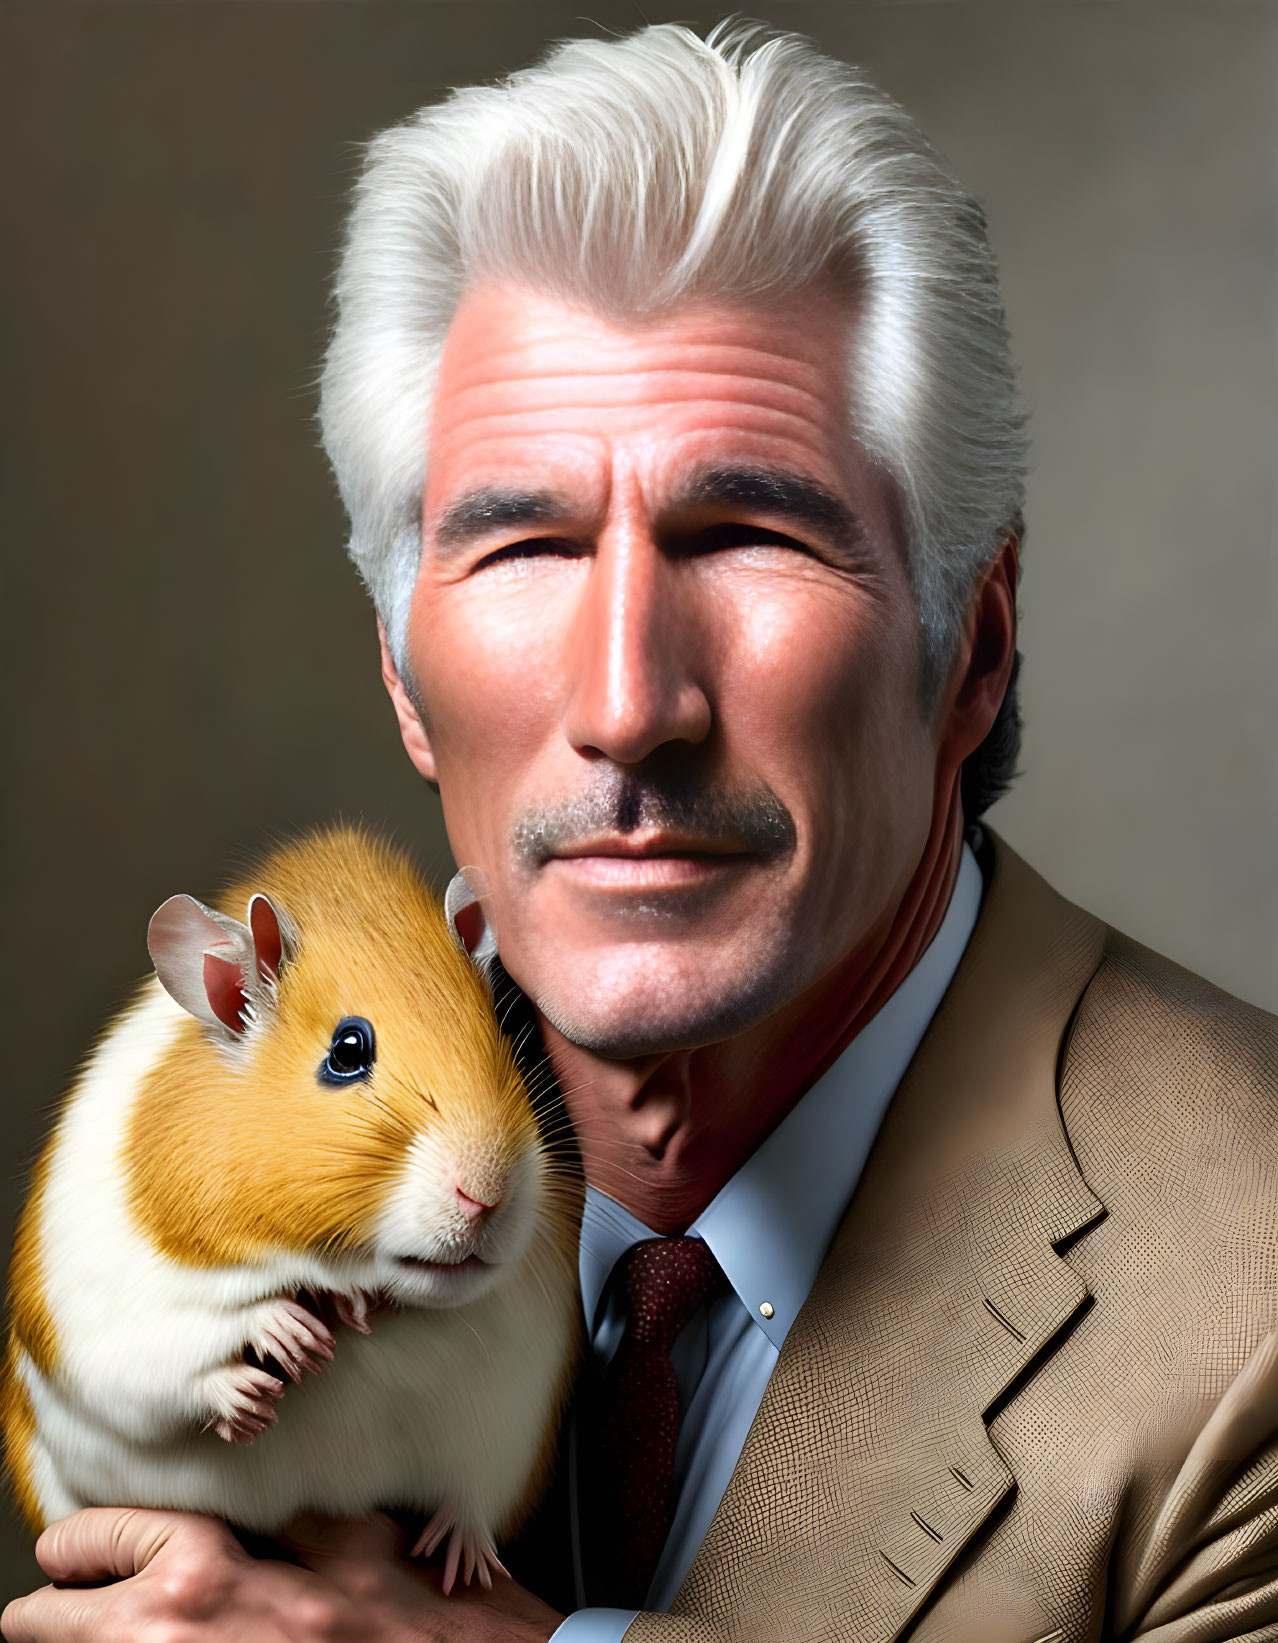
(557, 1126)
(505, 1013)
(482, 1346)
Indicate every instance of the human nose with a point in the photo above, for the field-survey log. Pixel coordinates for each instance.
(635, 654)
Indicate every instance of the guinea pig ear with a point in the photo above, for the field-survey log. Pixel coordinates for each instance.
(468, 916)
(267, 927)
(202, 959)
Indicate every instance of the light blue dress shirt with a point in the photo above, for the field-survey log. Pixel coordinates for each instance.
(769, 1229)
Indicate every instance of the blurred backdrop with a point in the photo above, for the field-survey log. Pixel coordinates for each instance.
(191, 664)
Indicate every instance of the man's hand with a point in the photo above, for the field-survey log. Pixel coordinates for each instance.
(141, 1576)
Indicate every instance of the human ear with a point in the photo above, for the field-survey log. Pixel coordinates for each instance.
(983, 666)
(412, 731)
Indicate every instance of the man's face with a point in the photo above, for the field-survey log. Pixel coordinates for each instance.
(666, 643)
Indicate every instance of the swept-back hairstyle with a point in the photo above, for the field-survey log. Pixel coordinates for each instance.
(638, 173)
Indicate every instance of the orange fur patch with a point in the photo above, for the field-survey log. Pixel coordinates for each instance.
(238, 1150)
(18, 1421)
(29, 1317)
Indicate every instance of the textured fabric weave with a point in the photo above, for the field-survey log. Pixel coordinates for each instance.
(665, 1281)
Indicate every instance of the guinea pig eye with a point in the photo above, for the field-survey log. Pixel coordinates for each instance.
(351, 1053)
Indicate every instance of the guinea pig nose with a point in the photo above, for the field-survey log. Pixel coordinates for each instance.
(473, 1208)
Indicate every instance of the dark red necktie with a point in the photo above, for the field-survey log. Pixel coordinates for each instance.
(665, 1280)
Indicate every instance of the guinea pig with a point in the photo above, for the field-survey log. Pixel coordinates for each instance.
(305, 1146)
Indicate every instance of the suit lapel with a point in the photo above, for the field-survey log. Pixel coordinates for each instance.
(869, 1466)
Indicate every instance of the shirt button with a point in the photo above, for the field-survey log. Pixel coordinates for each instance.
(766, 1309)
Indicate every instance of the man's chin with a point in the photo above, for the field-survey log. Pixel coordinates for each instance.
(645, 1022)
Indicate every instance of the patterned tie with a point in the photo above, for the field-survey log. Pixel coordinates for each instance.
(666, 1280)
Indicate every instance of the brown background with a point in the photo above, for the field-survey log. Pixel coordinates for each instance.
(189, 661)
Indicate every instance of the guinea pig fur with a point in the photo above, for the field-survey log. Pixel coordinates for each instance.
(318, 1156)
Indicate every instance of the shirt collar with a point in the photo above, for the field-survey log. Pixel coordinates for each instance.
(607, 1232)
(771, 1224)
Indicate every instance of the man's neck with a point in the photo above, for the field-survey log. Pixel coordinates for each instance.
(663, 1133)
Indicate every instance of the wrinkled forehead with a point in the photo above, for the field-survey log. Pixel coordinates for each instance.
(538, 391)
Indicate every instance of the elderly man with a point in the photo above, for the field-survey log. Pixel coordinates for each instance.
(929, 1251)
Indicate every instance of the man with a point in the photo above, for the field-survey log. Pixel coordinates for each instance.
(671, 403)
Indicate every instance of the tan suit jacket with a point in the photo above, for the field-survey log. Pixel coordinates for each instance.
(1034, 1392)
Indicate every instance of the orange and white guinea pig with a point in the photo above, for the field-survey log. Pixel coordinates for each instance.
(304, 1146)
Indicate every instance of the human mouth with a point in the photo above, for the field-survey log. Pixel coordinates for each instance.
(634, 833)
(652, 862)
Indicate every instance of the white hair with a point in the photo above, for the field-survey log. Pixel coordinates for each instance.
(641, 172)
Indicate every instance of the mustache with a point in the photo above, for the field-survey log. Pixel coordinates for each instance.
(750, 820)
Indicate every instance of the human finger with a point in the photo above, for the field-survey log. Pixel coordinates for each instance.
(51, 1615)
(104, 1543)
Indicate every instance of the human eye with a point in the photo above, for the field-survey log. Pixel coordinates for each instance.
(527, 553)
(737, 535)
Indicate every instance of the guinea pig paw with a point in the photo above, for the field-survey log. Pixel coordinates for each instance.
(243, 1399)
(296, 1339)
(470, 1549)
(353, 1309)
